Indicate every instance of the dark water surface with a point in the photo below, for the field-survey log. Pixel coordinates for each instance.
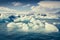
(30, 36)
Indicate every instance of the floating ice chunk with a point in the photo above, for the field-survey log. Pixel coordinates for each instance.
(11, 26)
(19, 25)
(50, 28)
(54, 23)
(46, 17)
(22, 27)
(32, 19)
(4, 16)
(35, 27)
(30, 25)
(25, 18)
(6, 21)
(17, 20)
(25, 28)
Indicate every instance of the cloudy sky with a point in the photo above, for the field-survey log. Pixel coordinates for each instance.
(18, 4)
(28, 5)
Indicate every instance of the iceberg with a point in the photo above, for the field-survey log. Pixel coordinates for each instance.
(3, 16)
(34, 25)
(50, 28)
(30, 27)
(11, 26)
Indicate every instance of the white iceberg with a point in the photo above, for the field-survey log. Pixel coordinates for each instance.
(11, 26)
(3, 16)
(50, 28)
(33, 26)
(25, 18)
(19, 26)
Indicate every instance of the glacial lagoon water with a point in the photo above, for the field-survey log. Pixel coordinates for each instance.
(4, 35)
